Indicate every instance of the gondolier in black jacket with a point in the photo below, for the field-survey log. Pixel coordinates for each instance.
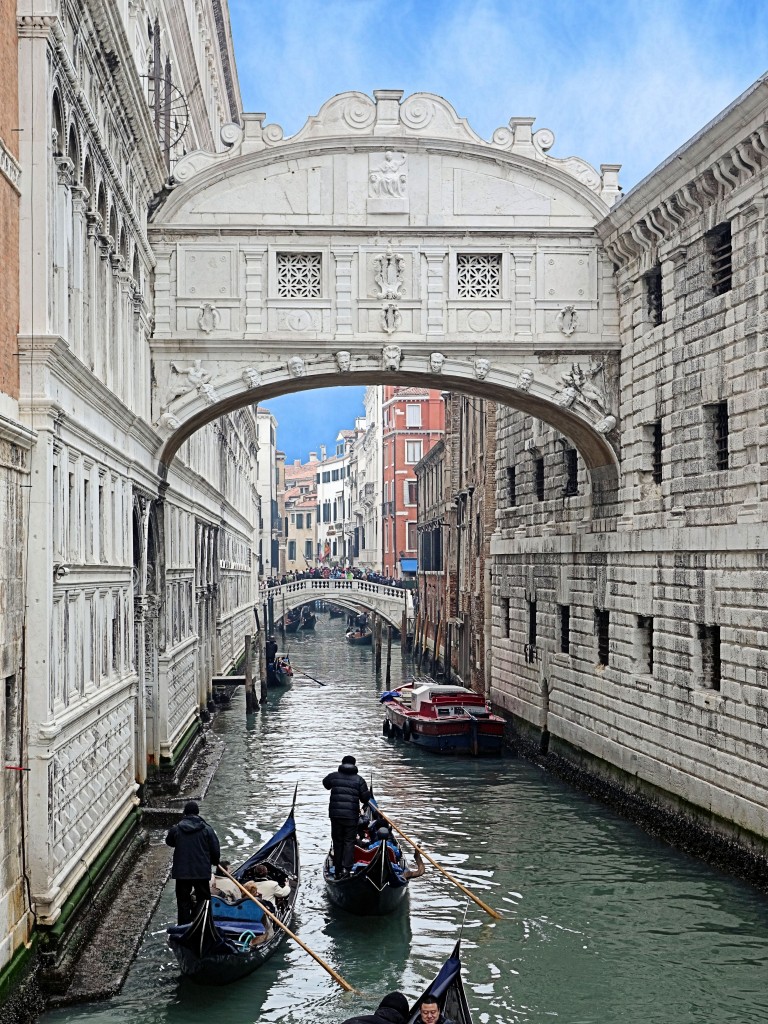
(348, 791)
(393, 1009)
(195, 850)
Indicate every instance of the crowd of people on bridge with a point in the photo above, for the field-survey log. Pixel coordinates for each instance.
(327, 572)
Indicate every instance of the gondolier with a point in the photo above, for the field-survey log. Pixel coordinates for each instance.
(393, 1009)
(348, 792)
(195, 851)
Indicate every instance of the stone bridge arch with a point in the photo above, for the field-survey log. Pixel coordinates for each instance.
(386, 242)
(388, 602)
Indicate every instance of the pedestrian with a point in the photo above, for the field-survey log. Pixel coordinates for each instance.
(348, 791)
(195, 851)
(393, 1009)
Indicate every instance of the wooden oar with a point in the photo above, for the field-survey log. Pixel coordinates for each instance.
(319, 683)
(467, 892)
(336, 977)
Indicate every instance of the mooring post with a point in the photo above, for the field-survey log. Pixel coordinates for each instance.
(263, 666)
(251, 701)
(403, 631)
(389, 654)
(377, 641)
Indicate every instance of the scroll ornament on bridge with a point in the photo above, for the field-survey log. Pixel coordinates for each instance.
(389, 274)
(209, 318)
(567, 320)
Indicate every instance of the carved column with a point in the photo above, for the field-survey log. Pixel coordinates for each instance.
(435, 290)
(254, 290)
(62, 226)
(77, 270)
(343, 259)
(523, 296)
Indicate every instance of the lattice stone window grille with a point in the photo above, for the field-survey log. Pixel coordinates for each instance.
(478, 275)
(298, 275)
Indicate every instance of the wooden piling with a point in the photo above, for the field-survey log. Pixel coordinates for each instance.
(251, 701)
(377, 641)
(389, 655)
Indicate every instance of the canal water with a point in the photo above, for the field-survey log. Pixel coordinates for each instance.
(602, 924)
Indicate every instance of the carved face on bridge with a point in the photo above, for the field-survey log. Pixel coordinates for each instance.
(296, 366)
(343, 361)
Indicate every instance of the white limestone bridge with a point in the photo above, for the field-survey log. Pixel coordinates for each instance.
(355, 595)
(388, 243)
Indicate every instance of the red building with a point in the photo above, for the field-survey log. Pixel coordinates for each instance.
(413, 420)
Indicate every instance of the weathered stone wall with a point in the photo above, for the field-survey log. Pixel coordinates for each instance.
(664, 686)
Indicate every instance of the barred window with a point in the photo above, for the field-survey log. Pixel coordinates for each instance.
(709, 646)
(298, 275)
(571, 463)
(565, 628)
(478, 275)
(720, 248)
(657, 448)
(511, 485)
(654, 295)
(538, 476)
(602, 628)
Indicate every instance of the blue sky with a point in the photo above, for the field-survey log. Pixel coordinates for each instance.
(617, 82)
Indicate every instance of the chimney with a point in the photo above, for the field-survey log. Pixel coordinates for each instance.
(313, 456)
(297, 463)
(322, 452)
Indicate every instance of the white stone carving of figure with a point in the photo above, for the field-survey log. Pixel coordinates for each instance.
(343, 361)
(482, 368)
(195, 376)
(606, 424)
(524, 380)
(389, 274)
(209, 393)
(296, 366)
(436, 362)
(390, 357)
(389, 179)
(251, 377)
(566, 397)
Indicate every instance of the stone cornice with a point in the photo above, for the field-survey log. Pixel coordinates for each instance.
(725, 155)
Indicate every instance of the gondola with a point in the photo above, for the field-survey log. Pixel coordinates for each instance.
(359, 637)
(308, 619)
(226, 941)
(447, 989)
(335, 612)
(291, 622)
(376, 883)
(280, 671)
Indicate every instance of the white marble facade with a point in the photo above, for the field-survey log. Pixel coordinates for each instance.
(137, 592)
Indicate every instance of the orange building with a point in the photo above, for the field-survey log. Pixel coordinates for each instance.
(413, 420)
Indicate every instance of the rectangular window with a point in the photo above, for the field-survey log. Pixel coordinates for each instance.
(505, 617)
(309, 520)
(571, 461)
(538, 475)
(327, 512)
(327, 477)
(720, 247)
(511, 486)
(653, 295)
(709, 642)
(657, 447)
(413, 452)
(532, 624)
(413, 415)
(334, 474)
(644, 644)
(412, 492)
(299, 520)
(565, 628)
(298, 275)
(307, 548)
(478, 275)
(718, 431)
(410, 535)
(291, 550)
(602, 628)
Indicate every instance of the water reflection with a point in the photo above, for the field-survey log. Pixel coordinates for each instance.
(602, 924)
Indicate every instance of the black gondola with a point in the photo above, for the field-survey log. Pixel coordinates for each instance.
(226, 941)
(291, 621)
(448, 991)
(308, 619)
(335, 612)
(376, 883)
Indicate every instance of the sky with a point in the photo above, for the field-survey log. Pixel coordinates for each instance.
(626, 82)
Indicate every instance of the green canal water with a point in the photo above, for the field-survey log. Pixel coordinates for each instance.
(602, 924)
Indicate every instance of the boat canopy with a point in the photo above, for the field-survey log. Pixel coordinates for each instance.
(425, 694)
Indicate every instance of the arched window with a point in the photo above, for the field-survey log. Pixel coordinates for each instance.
(73, 152)
(58, 127)
(88, 181)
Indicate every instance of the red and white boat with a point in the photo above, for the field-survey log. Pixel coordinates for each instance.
(442, 717)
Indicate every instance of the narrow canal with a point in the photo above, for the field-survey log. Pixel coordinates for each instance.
(602, 924)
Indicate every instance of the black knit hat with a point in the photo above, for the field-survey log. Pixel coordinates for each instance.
(190, 807)
(395, 1001)
(348, 759)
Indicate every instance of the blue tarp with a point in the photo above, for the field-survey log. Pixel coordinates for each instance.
(408, 565)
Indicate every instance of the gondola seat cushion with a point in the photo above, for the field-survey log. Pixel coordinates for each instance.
(244, 911)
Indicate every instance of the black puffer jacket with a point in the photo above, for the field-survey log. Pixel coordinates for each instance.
(348, 791)
(393, 1009)
(195, 847)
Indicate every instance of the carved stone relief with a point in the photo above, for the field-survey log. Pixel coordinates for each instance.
(388, 183)
(524, 380)
(567, 320)
(343, 361)
(182, 380)
(389, 274)
(209, 318)
(251, 377)
(482, 368)
(296, 366)
(391, 357)
(436, 362)
(391, 318)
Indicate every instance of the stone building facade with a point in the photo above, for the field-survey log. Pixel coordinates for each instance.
(139, 586)
(636, 645)
(15, 443)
